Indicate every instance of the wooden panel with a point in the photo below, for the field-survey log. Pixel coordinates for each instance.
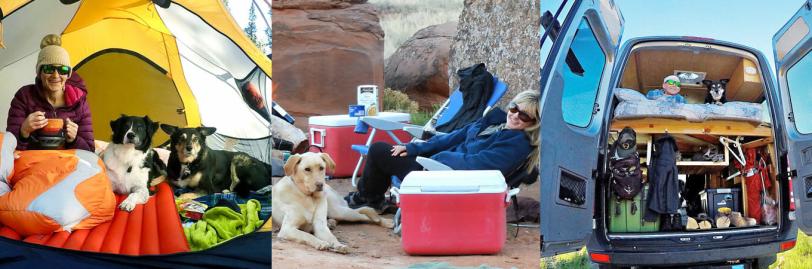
(678, 126)
(715, 181)
(646, 69)
(743, 86)
(659, 64)
(630, 80)
(758, 143)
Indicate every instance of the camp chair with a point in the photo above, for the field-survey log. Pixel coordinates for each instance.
(443, 115)
(515, 179)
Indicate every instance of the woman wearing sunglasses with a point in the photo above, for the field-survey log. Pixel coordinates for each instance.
(498, 141)
(57, 93)
(669, 92)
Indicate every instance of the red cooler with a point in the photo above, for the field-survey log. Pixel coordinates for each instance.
(335, 135)
(453, 212)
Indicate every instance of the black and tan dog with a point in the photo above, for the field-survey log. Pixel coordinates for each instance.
(716, 91)
(194, 165)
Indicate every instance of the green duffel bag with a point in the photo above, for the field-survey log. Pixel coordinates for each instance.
(626, 216)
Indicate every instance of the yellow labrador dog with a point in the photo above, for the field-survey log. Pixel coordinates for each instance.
(302, 204)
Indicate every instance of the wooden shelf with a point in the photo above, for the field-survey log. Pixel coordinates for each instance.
(682, 126)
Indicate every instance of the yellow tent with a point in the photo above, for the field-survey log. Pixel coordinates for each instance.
(182, 62)
(185, 64)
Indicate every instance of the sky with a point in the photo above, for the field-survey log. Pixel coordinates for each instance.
(748, 22)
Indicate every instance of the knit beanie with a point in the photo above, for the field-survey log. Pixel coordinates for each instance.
(51, 52)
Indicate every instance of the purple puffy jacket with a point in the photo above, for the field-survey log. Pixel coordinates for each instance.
(29, 99)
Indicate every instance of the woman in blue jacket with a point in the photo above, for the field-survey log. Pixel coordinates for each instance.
(498, 141)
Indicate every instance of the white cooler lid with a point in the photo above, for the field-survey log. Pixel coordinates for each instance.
(346, 120)
(461, 181)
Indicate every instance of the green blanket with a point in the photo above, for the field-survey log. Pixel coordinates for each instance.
(222, 223)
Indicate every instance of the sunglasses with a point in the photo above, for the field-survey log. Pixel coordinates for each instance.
(673, 82)
(50, 69)
(514, 108)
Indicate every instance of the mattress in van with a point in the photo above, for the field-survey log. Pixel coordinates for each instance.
(634, 105)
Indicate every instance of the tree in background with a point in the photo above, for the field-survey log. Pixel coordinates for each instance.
(251, 29)
(268, 32)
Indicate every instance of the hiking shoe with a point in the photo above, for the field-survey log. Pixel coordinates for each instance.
(381, 206)
(355, 200)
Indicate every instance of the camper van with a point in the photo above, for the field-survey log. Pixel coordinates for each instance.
(732, 161)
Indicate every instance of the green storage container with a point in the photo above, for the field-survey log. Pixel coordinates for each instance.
(626, 216)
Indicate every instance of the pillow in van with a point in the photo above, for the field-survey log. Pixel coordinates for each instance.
(742, 111)
(629, 95)
(649, 108)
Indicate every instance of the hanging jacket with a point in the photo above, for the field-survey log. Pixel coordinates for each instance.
(29, 99)
(476, 86)
(663, 195)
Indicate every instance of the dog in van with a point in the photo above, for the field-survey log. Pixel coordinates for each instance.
(130, 161)
(192, 164)
(716, 91)
(304, 204)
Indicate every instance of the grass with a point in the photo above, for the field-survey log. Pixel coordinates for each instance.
(400, 19)
(797, 258)
(399, 102)
(574, 260)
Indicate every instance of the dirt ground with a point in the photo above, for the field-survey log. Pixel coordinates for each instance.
(376, 247)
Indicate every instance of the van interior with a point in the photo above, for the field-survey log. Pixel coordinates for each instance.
(726, 156)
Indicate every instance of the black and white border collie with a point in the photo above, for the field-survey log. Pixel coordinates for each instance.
(716, 91)
(130, 161)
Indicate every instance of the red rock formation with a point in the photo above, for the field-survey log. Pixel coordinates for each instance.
(420, 66)
(322, 51)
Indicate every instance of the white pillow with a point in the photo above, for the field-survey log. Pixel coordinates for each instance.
(628, 95)
(8, 143)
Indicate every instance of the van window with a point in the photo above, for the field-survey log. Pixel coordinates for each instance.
(582, 73)
(799, 82)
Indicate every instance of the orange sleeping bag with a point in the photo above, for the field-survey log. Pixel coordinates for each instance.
(53, 190)
(64, 199)
(153, 228)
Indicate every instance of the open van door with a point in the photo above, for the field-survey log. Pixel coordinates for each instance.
(574, 85)
(793, 61)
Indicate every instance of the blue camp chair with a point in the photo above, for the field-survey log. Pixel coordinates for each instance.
(442, 116)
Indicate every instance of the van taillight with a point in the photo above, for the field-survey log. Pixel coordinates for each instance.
(599, 257)
(791, 197)
(787, 245)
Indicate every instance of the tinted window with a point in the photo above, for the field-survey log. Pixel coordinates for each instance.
(582, 73)
(799, 82)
